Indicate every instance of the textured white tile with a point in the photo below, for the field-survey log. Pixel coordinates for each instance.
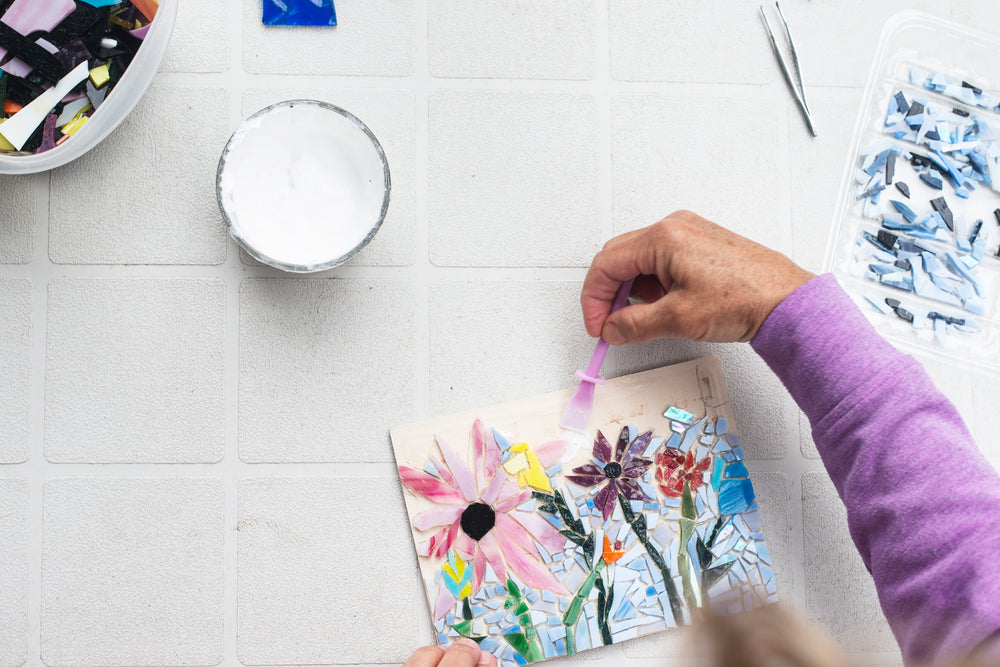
(15, 360)
(17, 218)
(775, 501)
(806, 444)
(391, 116)
(512, 39)
(722, 41)
(373, 37)
(134, 371)
(132, 572)
(984, 424)
(836, 39)
(721, 154)
(513, 179)
(327, 573)
(146, 195)
(673, 643)
(840, 593)
(498, 341)
(13, 572)
(200, 40)
(982, 15)
(764, 411)
(817, 166)
(326, 367)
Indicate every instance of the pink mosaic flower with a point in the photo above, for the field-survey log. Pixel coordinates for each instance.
(478, 516)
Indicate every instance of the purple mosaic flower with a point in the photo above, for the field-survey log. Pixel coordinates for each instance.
(619, 473)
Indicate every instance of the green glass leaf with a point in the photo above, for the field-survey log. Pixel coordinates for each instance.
(466, 609)
(519, 643)
(588, 549)
(705, 556)
(639, 525)
(712, 575)
(626, 508)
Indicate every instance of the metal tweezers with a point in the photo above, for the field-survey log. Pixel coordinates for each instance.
(798, 90)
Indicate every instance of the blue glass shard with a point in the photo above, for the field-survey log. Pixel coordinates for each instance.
(905, 210)
(299, 12)
(502, 442)
(932, 181)
(736, 470)
(735, 496)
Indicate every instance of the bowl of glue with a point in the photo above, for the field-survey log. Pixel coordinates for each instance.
(303, 185)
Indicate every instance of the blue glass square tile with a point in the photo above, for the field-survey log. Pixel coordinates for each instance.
(299, 12)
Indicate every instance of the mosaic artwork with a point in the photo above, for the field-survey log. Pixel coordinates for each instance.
(537, 543)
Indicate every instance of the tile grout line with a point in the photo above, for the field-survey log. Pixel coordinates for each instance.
(606, 212)
(35, 465)
(231, 360)
(423, 267)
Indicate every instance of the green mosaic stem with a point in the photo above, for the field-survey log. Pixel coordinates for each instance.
(526, 641)
(688, 516)
(638, 524)
(572, 614)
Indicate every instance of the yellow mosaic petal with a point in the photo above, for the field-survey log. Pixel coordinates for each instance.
(450, 572)
(535, 476)
(516, 464)
(466, 591)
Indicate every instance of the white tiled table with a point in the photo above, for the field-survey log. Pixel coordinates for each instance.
(194, 459)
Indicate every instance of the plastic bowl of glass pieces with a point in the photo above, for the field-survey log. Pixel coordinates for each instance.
(112, 112)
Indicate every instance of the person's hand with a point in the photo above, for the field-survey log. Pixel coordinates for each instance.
(463, 653)
(695, 280)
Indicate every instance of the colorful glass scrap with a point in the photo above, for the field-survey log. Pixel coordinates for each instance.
(299, 12)
(48, 50)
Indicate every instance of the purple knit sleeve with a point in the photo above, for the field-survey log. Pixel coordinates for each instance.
(923, 505)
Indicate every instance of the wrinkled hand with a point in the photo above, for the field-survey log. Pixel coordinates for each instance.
(694, 280)
(463, 653)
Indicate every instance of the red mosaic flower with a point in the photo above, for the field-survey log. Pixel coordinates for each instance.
(673, 468)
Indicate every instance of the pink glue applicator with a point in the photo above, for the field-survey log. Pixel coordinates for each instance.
(578, 410)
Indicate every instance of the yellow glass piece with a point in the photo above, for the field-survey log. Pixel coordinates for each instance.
(99, 76)
(72, 127)
(4, 144)
(456, 573)
(516, 464)
(528, 468)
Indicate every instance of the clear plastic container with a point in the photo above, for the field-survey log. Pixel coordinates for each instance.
(914, 44)
(118, 105)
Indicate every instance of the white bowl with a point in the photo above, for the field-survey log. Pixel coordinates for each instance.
(119, 104)
(303, 185)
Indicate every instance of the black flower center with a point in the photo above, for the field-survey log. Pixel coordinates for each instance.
(613, 470)
(477, 520)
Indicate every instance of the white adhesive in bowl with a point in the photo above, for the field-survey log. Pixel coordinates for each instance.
(303, 185)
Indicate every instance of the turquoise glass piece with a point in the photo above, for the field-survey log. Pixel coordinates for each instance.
(299, 12)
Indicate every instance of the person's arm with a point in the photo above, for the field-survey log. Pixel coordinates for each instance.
(923, 505)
